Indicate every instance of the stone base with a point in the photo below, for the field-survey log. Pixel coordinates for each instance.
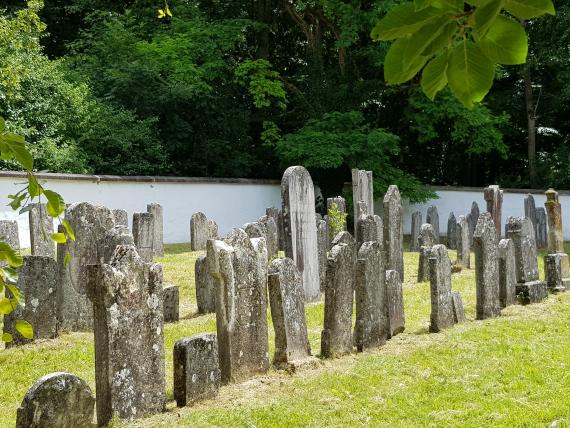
(295, 366)
(531, 292)
(556, 270)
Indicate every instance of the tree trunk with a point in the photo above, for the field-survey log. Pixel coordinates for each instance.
(531, 124)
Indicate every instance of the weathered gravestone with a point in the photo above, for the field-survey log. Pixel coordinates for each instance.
(473, 218)
(426, 241)
(205, 288)
(362, 190)
(556, 262)
(171, 303)
(157, 229)
(239, 267)
(462, 243)
(275, 214)
(37, 281)
(41, 228)
(336, 337)
(486, 268)
(57, 400)
(494, 199)
(367, 228)
(288, 312)
(458, 312)
(196, 369)
(201, 229)
(371, 328)
(541, 229)
(394, 303)
(9, 233)
(143, 234)
(452, 232)
(271, 235)
(415, 231)
(393, 231)
(322, 245)
(530, 210)
(90, 224)
(432, 217)
(298, 197)
(529, 288)
(507, 273)
(121, 217)
(118, 235)
(129, 336)
(442, 314)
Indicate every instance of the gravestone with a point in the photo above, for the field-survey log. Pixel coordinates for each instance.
(336, 337)
(426, 241)
(9, 233)
(158, 229)
(462, 242)
(271, 235)
(118, 235)
(555, 280)
(212, 229)
(143, 235)
(529, 288)
(530, 210)
(362, 190)
(393, 231)
(205, 288)
(57, 400)
(432, 217)
(452, 232)
(322, 245)
(288, 312)
(171, 303)
(541, 229)
(458, 311)
(473, 218)
(507, 273)
(494, 199)
(415, 231)
(394, 303)
(486, 268)
(129, 336)
(442, 314)
(239, 267)
(41, 228)
(557, 267)
(371, 328)
(196, 370)
(121, 217)
(199, 231)
(37, 281)
(275, 214)
(367, 230)
(298, 197)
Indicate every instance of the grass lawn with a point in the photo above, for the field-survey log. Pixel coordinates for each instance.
(509, 371)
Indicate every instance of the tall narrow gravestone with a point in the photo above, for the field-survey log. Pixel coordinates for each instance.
(394, 303)
(486, 268)
(205, 287)
(336, 337)
(239, 267)
(452, 232)
(442, 315)
(556, 262)
(322, 245)
(362, 190)
(530, 211)
(121, 217)
(275, 214)
(41, 228)
(415, 231)
(158, 229)
(541, 230)
(427, 241)
(462, 242)
(507, 273)
(473, 218)
(494, 199)
(201, 229)
(432, 217)
(129, 338)
(143, 234)
(393, 231)
(298, 198)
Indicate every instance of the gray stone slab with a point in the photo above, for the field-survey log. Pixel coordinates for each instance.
(362, 190)
(199, 233)
(171, 305)
(275, 214)
(442, 315)
(394, 303)
(432, 217)
(507, 273)
(486, 268)
(555, 281)
(458, 311)
(271, 235)
(158, 229)
(9, 233)
(521, 232)
(494, 198)
(121, 217)
(41, 228)
(112, 238)
(451, 232)
(322, 245)
(462, 242)
(426, 241)
(205, 287)
(541, 228)
(473, 218)
(393, 231)
(143, 234)
(415, 231)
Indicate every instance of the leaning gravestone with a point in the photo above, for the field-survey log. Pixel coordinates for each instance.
(556, 262)
(239, 267)
(37, 281)
(442, 315)
(322, 245)
(298, 197)
(57, 400)
(541, 229)
(507, 273)
(371, 328)
(494, 199)
(393, 231)
(336, 337)
(458, 311)
(9, 233)
(452, 232)
(426, 241)
(41, 228)
(129, 338)
(288, 312)
(362, 190)
(473, 218)
(143, 234)
(171, 303)
(205, 288)
(486, 268)
(199, 232)
(394, 303)
(432, 217)
(158, 229)
(415, 232)
(121, 217)
(462, 242)
(196, 370)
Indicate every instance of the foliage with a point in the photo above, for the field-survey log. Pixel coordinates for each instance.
(262, 83)
(337, 220)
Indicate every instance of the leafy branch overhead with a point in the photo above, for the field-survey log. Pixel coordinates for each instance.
(456, 43)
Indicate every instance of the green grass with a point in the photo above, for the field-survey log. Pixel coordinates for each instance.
(509, 371)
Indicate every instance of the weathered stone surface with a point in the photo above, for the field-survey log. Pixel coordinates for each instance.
(143, 235)
(121, 217)
(129, 342)
(57, 400)
(288, 312)
(432, 217)
(275, 214)
(212, 229)
(486, 268)
(362, 190)
(205, 287)
(452, 232)
(158, 229)
(199, 232)
(37, 280)
(555, 280)
(336, 337)
(371, 328)
(367, 230)
(393, 231)
(556, 263)
(507, 273)
(380, 228)
(426, 240)
(394, 303)
(41, 228)
(298, 197)
(271, 235)
(462, 242)
(458, 312)
(530, 210)
(9, 233)
(494, 199)
(171, 303)
(239, 267)
(473, 218)
(541, 230)
(416, 226)
(118, 235)
(196, 370)
(361, 210)
(442, 315)
(322, 245)
(90, 224)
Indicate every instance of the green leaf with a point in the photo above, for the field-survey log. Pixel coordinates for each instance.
(68, 229)
(6, 306)
(2, 124)
(55, 205)
(17, 296)
(6, 337)
(456, 5)
(10, 255)
(418, 43)
(422, 4)
(527, 9)
(485, 15)
(25, 329)
(443, 39)
(394, 71)
(59, 238)
(469, 73)
(34, 188)
(434, 77)
(403, 20)
(23, 156)
(66, 259)
(10, 274)
(506, 42)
